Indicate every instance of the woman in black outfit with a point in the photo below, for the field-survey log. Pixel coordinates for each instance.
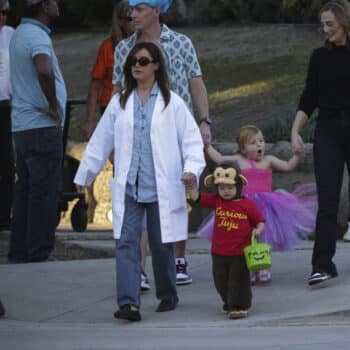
(328, 89)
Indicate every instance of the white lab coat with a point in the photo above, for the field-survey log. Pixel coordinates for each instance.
(176, 146)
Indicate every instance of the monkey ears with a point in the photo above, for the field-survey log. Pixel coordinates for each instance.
(226, 176)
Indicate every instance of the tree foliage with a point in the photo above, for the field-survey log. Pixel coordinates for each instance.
(84, 12)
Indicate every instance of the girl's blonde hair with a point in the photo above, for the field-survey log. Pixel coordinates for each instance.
(245, 133)
(341, 11)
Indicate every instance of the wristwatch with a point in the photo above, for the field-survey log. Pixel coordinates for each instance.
(205, 120)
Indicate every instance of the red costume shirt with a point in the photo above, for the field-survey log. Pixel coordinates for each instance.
(234, 222)
(103, 70)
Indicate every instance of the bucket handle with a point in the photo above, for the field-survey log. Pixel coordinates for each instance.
(255, 239)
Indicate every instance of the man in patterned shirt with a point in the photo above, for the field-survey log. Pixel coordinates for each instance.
(184, 72)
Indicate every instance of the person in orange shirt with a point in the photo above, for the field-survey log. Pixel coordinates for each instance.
(100, 90)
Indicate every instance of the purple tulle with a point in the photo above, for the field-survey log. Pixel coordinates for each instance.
(289, 216)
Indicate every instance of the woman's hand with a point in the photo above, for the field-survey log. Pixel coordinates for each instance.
(297, 143)
(298, 124)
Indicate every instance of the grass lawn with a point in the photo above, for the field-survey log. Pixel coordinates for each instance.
(253, 73)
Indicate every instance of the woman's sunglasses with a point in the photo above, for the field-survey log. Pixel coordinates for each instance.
(142, 61)
(5, 12)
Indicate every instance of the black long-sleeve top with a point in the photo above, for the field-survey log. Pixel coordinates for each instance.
(328, 82)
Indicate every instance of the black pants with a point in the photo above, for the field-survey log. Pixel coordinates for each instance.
(232, 282)
(38, 165)
(331, 153)
(6, 166)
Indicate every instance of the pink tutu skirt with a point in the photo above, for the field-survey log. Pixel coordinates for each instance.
(289, 216)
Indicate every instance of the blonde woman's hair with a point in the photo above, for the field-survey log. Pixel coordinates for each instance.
(245, 133)
(120, 11)
(341, 11)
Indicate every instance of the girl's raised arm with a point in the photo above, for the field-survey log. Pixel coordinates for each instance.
(283, 165)
(217, 157)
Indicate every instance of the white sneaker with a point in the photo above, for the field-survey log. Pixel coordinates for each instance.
(144, 282)
(182, 277)
(346, 236)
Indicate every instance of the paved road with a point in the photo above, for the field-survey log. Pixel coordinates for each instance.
(69, 305)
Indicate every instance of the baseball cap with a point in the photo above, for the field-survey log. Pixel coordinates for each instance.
(162, 4)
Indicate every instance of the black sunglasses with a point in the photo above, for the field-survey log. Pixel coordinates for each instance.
(5, 12)
(142, 61)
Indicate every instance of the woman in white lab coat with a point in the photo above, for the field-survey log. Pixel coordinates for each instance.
(157, 146)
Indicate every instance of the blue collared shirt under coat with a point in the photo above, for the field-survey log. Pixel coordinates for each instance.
(141, 181)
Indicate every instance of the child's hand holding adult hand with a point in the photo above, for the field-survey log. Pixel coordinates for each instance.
(189, 180)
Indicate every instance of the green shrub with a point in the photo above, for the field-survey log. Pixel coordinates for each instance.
(279, 127)
(302, 10)
(266, 11)
(215, 10)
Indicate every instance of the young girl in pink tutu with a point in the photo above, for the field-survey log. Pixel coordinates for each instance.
(288, 215)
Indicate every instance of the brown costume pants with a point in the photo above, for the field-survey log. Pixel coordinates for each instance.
(231, 279)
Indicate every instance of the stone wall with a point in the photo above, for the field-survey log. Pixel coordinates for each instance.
(99, 196)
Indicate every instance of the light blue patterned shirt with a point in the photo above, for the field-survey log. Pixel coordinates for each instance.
(141, 180)
(180, 58)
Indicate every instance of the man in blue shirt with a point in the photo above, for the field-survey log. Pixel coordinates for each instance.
(38, 111)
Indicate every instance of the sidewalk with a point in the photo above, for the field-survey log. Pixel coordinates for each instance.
(81, 294)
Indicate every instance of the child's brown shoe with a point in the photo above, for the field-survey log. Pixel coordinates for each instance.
(236, 314)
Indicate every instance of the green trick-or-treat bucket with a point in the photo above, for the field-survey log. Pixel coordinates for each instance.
(257, 255)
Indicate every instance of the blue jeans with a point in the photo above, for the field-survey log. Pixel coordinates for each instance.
(38, 167)
(128, 255)
(7, 173)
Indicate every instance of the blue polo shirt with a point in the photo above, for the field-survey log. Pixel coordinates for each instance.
(32, 38)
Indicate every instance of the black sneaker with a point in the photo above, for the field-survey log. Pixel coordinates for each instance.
(2, 309)
(167, 305)
(319, 277)
(128, 312)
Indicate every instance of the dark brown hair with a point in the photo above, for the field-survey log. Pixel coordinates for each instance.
(161, 75)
